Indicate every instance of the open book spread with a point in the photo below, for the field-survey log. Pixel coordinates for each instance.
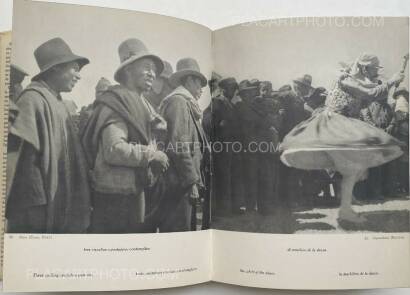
(142, 151)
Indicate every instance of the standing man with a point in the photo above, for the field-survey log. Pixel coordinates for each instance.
(229, 190)
(17, 76)
(161, 87)
(291, 179)
(399, 127)
(119, 144)
(378, 184)
(249, 118)
(185, 146)
(49, 192)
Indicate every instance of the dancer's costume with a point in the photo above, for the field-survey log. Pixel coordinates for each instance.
(336, 129)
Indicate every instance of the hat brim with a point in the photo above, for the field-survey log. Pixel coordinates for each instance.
(400, 92)
(82, 61)
(158, 63)
(303, 83)
(176, 77)
(248, 90)
(18, 69)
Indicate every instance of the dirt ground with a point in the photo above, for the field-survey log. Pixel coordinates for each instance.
(391, 215)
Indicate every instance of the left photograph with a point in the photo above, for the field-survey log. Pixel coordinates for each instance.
(104, 124)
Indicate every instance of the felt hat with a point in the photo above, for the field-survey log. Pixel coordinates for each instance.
(168, 70)
(54, 52)
(132, 50)
(306, 80)
(227, 82)
(187, 67)
(16, 69)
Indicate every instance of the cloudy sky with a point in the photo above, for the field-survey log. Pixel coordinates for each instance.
(281, 50)
(275, 50)
(97, 32)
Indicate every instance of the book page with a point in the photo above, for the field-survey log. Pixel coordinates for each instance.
(311, 174)
(5, 56)
(99, 192)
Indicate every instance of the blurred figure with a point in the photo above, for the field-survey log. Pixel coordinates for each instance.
(248, 118)
(86, 111)
(379, 181)
(161, 86)
(228, 170)
(315, 101)
(17, 76)
(213, 84)
(400, 129)
(292, 101)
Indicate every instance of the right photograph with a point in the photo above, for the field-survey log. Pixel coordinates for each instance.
(309, 126)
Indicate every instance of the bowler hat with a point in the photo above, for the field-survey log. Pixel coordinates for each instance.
(55, 52)
(133, 49)
(306, 80)
(187, 67)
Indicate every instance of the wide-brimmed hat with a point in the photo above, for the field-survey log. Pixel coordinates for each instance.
(266, 84)
(132, 50)
(246, 88)
(228, 82)
(55, 52)
(306, 80)
(187, 67)
(318, 94)
(401, 91)
(285, 88)
(16, 69)
(168, 70)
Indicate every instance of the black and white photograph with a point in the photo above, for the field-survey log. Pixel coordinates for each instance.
(158, 144)
(144, 124)
(105, 131)
(310, 126)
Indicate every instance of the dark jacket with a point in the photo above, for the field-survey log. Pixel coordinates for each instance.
(50, 169)
(186, 139)
(118, 142)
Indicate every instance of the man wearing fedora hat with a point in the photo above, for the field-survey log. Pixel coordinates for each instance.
(228, 170)
(161, 86)
(186, 143)
(118, 140)
(290, 185)
(50, 191)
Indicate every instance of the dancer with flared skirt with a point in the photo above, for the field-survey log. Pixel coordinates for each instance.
(334, 138)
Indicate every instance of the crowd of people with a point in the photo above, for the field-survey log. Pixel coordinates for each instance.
(144, 157)
(251, 116)
(130, 162)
